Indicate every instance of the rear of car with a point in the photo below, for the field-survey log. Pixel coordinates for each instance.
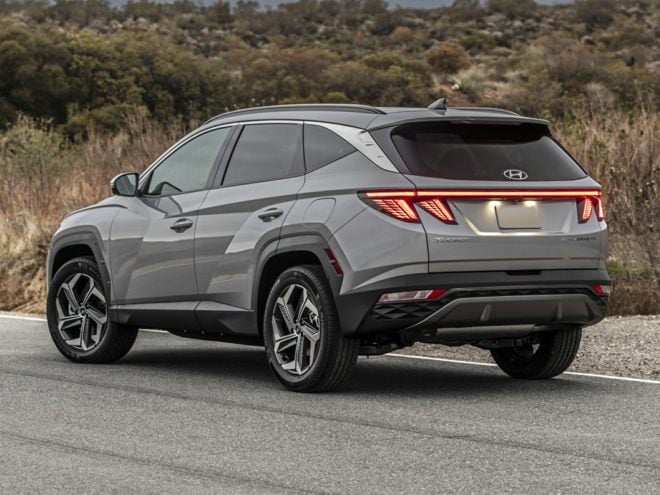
(513, 231)
(328, 231)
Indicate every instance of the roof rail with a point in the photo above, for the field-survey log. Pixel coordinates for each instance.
(487, 109)
(304, 106)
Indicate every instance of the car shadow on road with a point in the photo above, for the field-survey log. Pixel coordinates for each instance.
(381, 376)
(394, 376)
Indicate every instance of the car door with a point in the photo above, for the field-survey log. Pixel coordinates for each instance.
(241, 217)
(151, 241)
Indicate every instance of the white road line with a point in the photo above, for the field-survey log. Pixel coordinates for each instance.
(406, 356)
(17, 317)
(474, 363)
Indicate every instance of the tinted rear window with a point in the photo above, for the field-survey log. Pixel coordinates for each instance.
(483, 152)
(265, 152)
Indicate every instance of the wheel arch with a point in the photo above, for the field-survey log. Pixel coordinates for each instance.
(291, 251)
(69, 245)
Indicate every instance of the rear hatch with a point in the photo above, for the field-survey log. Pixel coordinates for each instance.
(500, 197)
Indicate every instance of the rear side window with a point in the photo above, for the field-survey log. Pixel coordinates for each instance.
(265, 152)
(322, 146)
(483, 152)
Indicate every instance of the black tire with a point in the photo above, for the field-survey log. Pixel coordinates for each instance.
(335, 355)
(114, 340)
(554, 354)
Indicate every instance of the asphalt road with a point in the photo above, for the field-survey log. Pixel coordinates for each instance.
(183, 416)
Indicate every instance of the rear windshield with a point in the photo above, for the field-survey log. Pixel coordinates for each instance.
(483, 152)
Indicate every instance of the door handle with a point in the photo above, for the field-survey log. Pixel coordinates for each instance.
(270, 214)
(181, 225)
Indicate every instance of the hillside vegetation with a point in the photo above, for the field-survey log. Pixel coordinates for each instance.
(87, 91)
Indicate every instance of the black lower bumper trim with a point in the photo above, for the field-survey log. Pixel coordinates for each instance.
(418, 310)
(360, 313)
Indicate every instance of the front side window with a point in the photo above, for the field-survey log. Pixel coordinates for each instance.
(189, 167)
(265, 152)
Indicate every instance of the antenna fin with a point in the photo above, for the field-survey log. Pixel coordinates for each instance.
(440, 104)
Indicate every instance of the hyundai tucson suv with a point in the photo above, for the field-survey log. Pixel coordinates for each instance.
(324, 232)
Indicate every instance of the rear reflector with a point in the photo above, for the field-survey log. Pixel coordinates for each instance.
(412, 295)
(401, 204)
(333, 261)
(602, 290)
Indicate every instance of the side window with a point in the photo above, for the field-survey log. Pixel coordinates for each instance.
(265, 152)
(322, 146)
(188, 168)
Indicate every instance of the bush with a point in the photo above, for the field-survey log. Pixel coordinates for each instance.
(447, 58)
(512, 8)
(596, 13)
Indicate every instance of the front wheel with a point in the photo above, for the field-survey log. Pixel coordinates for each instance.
(548, 356)
(77, 313)
(304, 344)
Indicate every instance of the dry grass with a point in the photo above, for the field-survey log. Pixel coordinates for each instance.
(621, 151)
(43, 177)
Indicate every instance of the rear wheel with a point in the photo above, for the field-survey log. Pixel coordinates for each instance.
(304, 344)
(77, 313)
(550, 355)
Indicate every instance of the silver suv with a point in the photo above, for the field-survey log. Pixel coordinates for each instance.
(324, 232)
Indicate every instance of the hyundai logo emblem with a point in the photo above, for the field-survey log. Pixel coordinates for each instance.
(514, 174)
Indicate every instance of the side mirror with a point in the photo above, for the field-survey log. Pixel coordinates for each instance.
(125, 184)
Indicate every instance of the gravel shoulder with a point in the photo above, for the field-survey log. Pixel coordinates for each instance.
(627, 346)
(620, 346)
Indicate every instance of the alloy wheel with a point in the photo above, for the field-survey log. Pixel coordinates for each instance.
(81, 312)
(296, 329)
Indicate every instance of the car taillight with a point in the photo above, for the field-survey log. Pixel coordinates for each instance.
(439, 209)
(589, 204)
(401, 204)
(399, 208)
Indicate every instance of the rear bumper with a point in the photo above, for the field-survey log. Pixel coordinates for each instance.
(545, 299)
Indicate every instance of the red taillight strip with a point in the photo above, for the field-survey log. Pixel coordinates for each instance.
(531, 193)
(490, 193)
(391, 194)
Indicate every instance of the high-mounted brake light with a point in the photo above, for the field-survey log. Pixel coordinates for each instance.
(401, 204)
